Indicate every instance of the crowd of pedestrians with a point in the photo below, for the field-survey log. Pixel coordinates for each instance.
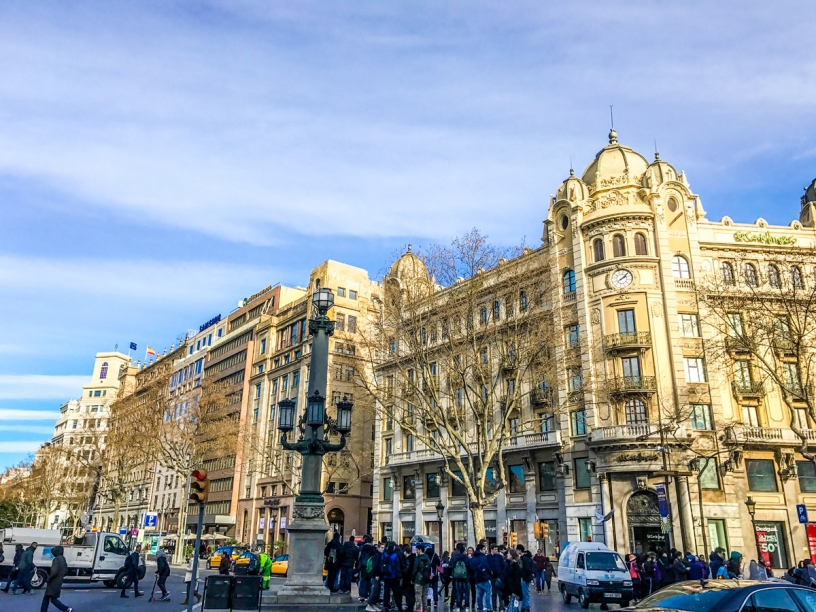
(395, 578)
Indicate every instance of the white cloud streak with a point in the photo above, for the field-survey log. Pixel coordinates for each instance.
(15, 414)
(19, 447)
(39, 386)
(34, 429)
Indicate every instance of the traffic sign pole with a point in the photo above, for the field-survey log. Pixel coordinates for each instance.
(191, 589)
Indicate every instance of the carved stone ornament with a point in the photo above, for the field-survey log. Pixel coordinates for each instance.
(308, 512)
(642, 509)
(613, 198)
(596, 316)
(657, 311)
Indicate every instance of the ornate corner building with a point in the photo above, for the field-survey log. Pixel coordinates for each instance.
(650, 434)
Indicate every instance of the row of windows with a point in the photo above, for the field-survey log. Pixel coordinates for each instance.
(97, 393)
(221, 484)
(619, 246)
(751, 277)
(186, 373)
(228, 363)
(344, 323)
(219, 463)
(230, 346)
(341, 292)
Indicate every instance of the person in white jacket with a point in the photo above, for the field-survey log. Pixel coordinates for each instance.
(188, 577)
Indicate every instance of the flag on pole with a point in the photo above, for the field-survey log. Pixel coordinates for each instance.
(132, 346)
(150, 351)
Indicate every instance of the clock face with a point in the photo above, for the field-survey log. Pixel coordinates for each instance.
(621, 279)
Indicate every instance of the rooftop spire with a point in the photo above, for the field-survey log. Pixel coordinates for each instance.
(613, 135)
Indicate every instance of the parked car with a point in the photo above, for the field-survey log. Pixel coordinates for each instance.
(731, 596)
(215, 559)
(280, 565)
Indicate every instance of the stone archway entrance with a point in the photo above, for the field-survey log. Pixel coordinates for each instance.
(643, 518)
(337, 520)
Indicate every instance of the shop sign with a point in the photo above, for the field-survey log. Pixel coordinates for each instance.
(766, 238)
(209, 323)
(272, 502)
(769, 543)
(811, 537)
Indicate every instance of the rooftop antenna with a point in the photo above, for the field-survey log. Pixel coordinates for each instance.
(572, 172)
(613, 135)
(611, 117)
(657, 155)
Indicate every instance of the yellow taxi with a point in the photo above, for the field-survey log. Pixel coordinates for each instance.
(280, 565)
(215, 560)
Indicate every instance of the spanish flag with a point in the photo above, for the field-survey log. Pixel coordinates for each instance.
(150, 351)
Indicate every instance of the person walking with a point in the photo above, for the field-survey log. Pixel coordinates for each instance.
(162, 571)
(53, 589)
(445, 576)
(497, 563)
(421, 577)
(549, 570)
(461, 578)
(539, 560)
(391, 577)
(436, 562)
(331, 555)
(26, 572)
(348, 560)
(188, 578)
(132, 572)
(225, 563)
(482, 575)
(15, 567)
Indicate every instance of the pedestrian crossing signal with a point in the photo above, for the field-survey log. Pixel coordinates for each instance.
(199, 487)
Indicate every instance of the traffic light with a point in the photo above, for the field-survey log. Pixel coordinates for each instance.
(545, 531)
(513, 539)
(199, 487)
(504, 538)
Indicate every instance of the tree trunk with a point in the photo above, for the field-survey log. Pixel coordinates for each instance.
(178, 555)
(477, 512)
(116, 505)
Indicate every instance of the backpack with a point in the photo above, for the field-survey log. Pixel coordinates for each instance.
(460, 570)
(369, 566)
(424, 571)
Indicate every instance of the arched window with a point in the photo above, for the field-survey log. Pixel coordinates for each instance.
(796, 277)
(569, 281)
(103, 371)
(640, 245)
(750, 275)
(773, 276)
(618, 245)
(523, 300)
(680, 267)
(636, 412)
(598, 249)
(727, 271)
(483, 316)
(496, 310)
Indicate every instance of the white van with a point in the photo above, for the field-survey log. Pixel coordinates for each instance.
(593, 573)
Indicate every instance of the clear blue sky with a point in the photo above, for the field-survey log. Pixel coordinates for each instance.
(160, 160)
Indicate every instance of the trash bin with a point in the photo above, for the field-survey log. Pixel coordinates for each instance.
(246, 593)
(217, 590)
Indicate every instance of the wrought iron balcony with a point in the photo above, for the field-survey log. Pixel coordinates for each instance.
(626, 340)
(747, 388)
(541, 397)
(633, 384)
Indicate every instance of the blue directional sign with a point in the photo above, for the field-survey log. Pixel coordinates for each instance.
(123, 531)
(801, 512)
(151, 519)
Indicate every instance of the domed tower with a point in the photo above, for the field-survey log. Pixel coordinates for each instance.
(408, 274)
(807, 216)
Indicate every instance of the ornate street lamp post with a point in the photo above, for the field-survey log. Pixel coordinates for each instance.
(751, 505)
(307, 531)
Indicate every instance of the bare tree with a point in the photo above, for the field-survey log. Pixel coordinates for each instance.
(761, 322)
(459, 354)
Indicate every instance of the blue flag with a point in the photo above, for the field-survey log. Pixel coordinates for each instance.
(132, 346)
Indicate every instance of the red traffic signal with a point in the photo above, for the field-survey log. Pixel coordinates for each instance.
(199, 486)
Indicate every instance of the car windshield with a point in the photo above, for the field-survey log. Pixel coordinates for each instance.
(604, 561)
(690, 596)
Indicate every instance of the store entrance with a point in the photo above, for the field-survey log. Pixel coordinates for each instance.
(643, 517)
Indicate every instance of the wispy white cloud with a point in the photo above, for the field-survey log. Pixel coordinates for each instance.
(19, 447)
(34, 429)
(16, 414)
(39, 386)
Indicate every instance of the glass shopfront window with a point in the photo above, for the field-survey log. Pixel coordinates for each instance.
(458, 532)
(771, 538)
(408, 531)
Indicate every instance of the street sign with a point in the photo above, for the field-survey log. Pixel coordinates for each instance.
(135, 532)
(151, 519)
(123, 531)
(801, 512)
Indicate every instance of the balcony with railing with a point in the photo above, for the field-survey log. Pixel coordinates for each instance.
(684, 283)
(747, 389)
(614, 342)
(634, 432)
(633, 384)
(535, 440)
(541, 397)
(570, 296)
(763, 437)
(509, 363)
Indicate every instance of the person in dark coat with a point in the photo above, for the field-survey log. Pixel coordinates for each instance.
(132, 571)
(460, 572)
(225, 564)
(497, 563)
(163, 571)
(367, 551)
(549, 570)
(527, 576)
(332, 561)
(406, 576)
(374, 577)
(512, 578)
(348, 559)
(59, 569)
(680, 569)
(15, 567)
(27, 570)
(716, 560)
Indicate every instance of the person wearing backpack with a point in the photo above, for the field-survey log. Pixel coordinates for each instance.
(132, 571)
(391, 577)
(365, 567)
(421, 578)
(482, 574)
(436, 562)
(461, 578)
(373, 570)
(348, 559)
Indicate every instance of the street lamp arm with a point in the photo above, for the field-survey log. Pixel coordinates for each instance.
(329, 447)
(288, 445)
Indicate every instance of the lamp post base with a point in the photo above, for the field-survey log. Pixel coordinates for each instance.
(304, 581)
